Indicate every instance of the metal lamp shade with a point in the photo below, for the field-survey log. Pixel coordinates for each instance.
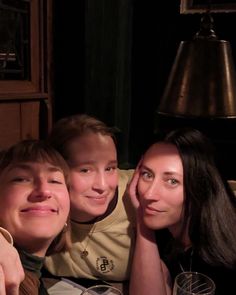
(202, 82)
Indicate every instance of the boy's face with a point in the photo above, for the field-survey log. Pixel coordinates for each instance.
(34, 204)
(93, 175)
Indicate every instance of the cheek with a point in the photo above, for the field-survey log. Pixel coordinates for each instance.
(177, 202)
(10, 199)
(179, 199)
(9, 208)
(142, 187)
(65, 201)
(79, 183)
(113, 181)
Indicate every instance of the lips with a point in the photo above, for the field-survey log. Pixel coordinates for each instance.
(101, 200)
(152, 210)
(98, 197)
(40, 209)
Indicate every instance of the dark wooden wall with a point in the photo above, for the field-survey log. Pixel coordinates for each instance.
(112, 60)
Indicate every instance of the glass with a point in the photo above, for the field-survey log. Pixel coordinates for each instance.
(193, 283)
(102, 289)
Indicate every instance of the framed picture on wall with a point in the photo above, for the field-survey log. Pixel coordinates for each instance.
(201, 6)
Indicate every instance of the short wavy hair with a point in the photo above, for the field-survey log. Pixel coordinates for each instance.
(40, 152)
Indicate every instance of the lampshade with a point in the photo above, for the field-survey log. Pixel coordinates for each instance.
(202, 82)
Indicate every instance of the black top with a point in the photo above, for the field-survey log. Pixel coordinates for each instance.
(33, 264)
(225, 279)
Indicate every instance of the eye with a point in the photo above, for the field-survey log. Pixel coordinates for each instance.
(146, 175)
(20, 179)
(111, 168)
(56, 177)
(173, 181)
(84, 170)
(56, 181)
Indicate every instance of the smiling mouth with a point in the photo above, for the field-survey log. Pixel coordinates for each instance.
(36, 209)
(153, 210)
(97, 198)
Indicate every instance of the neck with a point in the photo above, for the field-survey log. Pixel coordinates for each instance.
(38, 249)
(31, 262)
(182, 236)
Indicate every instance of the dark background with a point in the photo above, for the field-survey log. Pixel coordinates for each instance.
(112, 59)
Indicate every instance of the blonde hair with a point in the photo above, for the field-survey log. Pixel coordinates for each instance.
(69, 128)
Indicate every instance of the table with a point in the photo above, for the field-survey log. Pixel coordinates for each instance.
(73, 286)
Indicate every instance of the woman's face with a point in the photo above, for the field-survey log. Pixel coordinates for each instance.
(160, 187)
(93, 175)
(34, 204)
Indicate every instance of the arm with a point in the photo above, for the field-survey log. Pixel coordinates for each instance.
(149, 275)
(11, 270)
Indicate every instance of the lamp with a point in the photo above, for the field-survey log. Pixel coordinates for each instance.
(202, 82)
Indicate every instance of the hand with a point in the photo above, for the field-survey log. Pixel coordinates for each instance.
(132, 191)
(132, 187)
(2, 282)
(11, 270)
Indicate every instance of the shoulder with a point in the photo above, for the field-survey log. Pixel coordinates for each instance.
(124, 178)
(124, 199)
(125, 175)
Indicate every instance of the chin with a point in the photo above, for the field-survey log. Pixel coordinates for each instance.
(99, 212)
(44, 233)
(152, 224)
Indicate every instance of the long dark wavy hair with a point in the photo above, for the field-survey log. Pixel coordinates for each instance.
(209, 202)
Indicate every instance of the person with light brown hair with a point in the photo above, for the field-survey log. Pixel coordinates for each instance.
(102, 216)
(34, 208)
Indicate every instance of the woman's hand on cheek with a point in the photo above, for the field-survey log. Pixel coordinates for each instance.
(132, 187)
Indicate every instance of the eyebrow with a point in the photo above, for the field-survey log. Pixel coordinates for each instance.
(145, 167)
(167, 173)
(28, 167)
(113, 162)
(172, 173)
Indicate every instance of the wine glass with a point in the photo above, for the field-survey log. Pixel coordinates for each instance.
(102, 290)
(193, 283)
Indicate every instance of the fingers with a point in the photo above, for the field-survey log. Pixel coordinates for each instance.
(12, 285)
(17, 276)
(132, 187)
(2, 282)
(11, 270)
(133, 184)
(12, 290)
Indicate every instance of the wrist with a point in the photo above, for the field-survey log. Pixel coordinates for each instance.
(145, 232)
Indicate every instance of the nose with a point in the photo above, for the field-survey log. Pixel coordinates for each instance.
(100, 182)
(152, 192)
(41, 190)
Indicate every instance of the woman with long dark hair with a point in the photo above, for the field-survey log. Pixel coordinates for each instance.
(186, 216)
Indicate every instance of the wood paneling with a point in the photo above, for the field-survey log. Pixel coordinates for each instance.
(21, 101)
(9, 124)
(18, 121)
